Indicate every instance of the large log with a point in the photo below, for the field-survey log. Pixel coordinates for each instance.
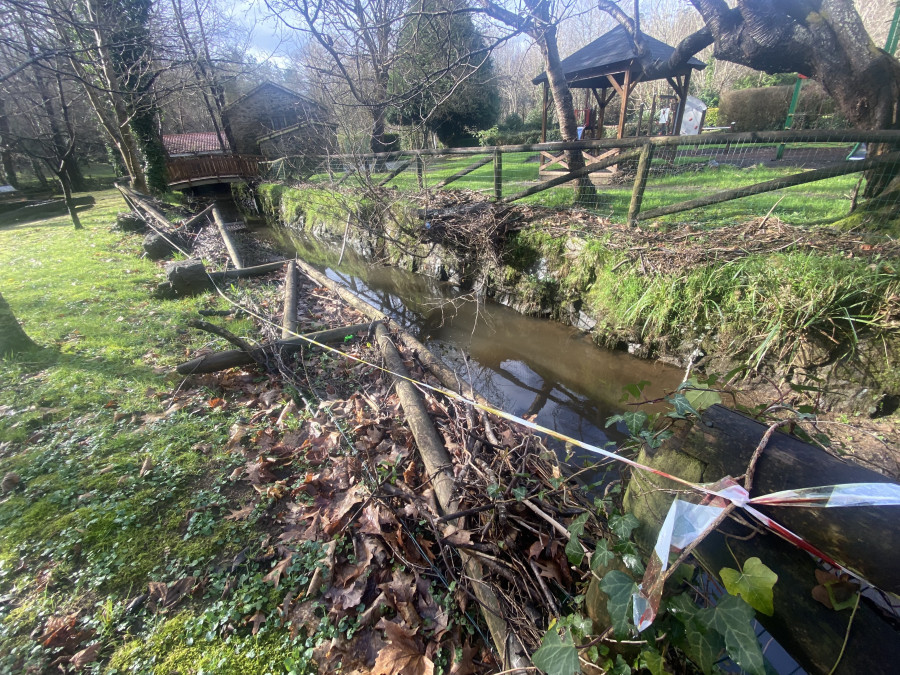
(439, 467)
(226, 237)
(863, 538)
(232, 358)
(189, 277)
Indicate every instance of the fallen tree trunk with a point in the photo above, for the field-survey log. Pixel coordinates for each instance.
(233, 358)
(863, 538)
(289, 319)
(142, 203)
(439, 466)
(188, 277)
(233, 252)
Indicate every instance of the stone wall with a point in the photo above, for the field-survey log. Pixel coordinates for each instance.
(264, 111)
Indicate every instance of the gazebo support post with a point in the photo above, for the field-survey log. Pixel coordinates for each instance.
(602, 100)
(623, 108)
(682, 103)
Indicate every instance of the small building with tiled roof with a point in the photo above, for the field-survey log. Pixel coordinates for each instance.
(198, 143)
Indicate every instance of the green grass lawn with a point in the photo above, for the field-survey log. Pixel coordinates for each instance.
(119, 483)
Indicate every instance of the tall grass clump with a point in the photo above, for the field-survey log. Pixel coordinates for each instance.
(756, 306)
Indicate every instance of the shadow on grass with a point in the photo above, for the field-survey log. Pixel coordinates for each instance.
(53, 208)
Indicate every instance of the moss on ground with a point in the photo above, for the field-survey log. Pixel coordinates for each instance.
(117, 486)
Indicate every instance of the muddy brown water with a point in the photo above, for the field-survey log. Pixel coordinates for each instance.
(524, 365)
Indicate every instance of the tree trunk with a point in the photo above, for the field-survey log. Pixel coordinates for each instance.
(63, 177)
(544, 34)
(105, 63)
(13, 339)
(829, 45)
(6, 160)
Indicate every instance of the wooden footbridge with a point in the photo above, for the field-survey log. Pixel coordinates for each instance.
(195, 171)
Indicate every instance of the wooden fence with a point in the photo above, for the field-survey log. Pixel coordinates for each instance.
(627, 150)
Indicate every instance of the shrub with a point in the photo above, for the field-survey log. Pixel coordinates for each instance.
(765, 108)
(712, 117)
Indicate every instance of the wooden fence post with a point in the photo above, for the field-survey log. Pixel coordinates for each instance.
(420, 171)
(640, 182)
(498, 174)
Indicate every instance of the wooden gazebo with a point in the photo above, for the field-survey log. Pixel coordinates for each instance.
(608, 66)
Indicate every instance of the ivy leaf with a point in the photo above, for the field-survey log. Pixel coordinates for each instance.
(634, 390)
(733, 618)
(682, 406)
(602, 556)
(634, 420)
(702, 647)
(556, 656)
(700, 397)
(622, 526)
(754, 584)
(576, 527)
(653, 661)
(574, 551)
(619, 588)
(620, 667)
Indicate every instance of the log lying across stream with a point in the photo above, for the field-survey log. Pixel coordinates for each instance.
(863, 538)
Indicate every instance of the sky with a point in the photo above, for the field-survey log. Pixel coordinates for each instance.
(266, 42)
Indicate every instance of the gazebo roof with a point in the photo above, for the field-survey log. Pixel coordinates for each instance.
(611, 54)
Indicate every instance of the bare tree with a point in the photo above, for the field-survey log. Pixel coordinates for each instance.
(536, 18)
(358, 40)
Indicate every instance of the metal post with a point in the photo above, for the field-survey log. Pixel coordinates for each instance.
(640, 183)
(789, 120)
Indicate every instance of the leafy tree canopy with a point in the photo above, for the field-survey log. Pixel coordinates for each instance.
(444, 78)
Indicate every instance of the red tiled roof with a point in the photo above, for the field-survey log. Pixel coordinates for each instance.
(203, 143)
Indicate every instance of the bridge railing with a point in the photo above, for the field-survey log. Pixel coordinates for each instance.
(203, 168)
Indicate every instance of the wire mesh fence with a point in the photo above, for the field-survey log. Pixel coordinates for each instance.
(803, 177)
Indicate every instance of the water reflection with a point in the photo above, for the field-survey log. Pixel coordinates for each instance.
(526, 366)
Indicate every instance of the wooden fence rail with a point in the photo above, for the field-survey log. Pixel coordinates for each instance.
(623, 150)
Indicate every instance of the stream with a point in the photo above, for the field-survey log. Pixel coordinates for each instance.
(524, 365)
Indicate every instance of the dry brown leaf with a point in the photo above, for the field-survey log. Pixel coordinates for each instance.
(58, 630)
(146, 466)
(275, 575)
(465, 665)
(403, 655)
(257, 619)
(242, 513)
(235, 435)
(85, 656)
(167, 596)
